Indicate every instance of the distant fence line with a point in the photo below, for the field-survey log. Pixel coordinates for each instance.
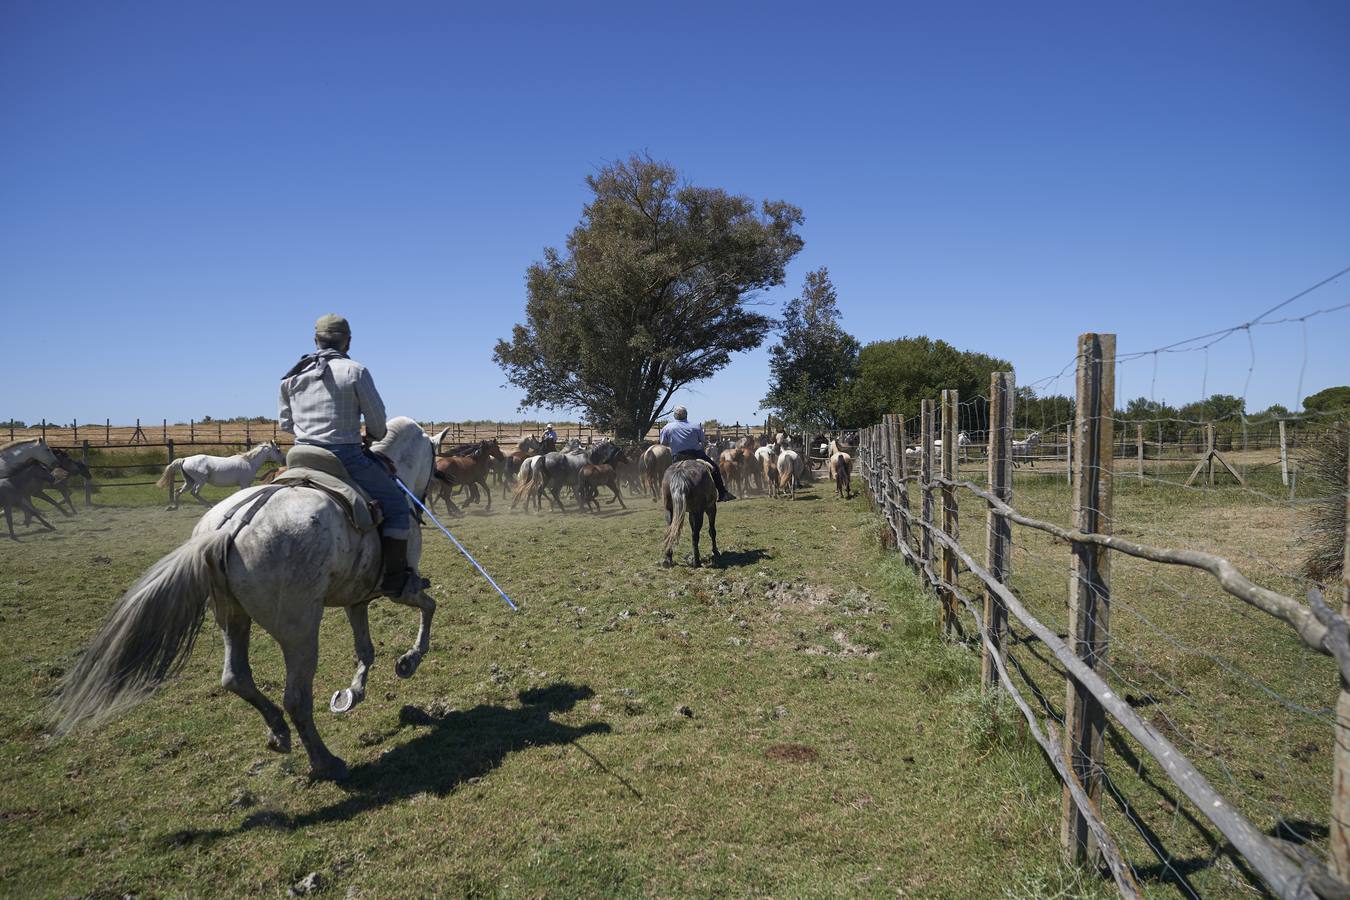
(217, 433)
(929, 542)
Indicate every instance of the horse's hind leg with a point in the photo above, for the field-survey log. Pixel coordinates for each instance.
(302, 658)
(407, 663)
(487, 492)
(345, 699)
(237, 677)
(712, 531)
(696, 526)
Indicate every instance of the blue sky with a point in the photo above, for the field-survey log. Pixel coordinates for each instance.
(184, 187)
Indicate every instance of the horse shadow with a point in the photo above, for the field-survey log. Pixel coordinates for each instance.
(730, 559)
(456, 747)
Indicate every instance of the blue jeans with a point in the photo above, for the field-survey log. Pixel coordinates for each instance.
(375, 478)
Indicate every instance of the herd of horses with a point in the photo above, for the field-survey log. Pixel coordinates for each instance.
(28, 468)
(279, 556)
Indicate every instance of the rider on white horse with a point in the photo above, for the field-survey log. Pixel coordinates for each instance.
(686, 442)
(323, 399)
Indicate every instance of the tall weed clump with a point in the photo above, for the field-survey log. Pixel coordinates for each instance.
(1324, 527)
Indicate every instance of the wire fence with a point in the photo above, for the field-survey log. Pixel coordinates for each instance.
(1147, 610)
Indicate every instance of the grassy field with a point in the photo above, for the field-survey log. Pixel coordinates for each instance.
(787, 724)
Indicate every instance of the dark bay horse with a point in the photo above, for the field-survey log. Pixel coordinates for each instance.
(688, 488)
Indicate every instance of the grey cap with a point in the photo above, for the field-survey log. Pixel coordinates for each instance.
(332, 324)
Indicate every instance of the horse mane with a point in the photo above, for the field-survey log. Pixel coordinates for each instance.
(19, 442)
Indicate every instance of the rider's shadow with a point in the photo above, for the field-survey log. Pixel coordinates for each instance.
(457, 747)
(454, 748)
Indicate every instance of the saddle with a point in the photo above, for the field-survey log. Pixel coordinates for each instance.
(315, 467)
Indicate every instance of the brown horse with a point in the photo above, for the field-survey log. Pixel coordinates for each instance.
(468, 468)
(591, 479)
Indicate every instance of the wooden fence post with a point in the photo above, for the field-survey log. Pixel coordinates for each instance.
(248, 434)
(107, 432)
(887, 462)
(1090, 580)
(999, 545)
(1209, 454)
(1068, 453)
(1340, 778)
(192, 431)
(75, 426)
(44, 431)
(1284, 457)
(926, 483)
(902, 466)
(88, 488)
(1139, 440)
(164, 425)
(950, 406)
(169, 444)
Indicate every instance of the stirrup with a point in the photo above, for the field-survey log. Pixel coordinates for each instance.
(411, 584)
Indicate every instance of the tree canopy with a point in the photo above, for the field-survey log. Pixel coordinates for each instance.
(1328, 400)
(812, 366)
(894, 376)
(654, 291)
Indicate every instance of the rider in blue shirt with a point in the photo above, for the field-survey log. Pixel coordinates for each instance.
(686, 442)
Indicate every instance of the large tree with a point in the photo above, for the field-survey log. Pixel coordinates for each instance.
(810, 368)
(894, 376)
(654, 291)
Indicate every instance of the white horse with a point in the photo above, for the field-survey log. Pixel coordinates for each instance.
(277, 555)
(1026, 448)
(962, 442)
(790, 469)
(222, 471)
(16, 454)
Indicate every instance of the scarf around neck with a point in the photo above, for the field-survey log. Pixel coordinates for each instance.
(318, 360)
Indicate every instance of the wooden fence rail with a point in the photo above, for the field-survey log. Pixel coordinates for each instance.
(1076, 755)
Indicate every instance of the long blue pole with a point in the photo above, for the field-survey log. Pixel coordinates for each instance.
(446, 531)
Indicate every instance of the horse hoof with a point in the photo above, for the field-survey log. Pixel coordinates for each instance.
(279, 742)
(407, 664)
(342, 701)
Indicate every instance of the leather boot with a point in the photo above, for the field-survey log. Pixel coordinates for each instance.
(395, 566)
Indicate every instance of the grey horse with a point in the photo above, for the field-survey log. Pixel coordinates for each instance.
(564, 469)
(688, 487)
(275, 555)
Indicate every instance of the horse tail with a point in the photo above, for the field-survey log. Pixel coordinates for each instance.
(524, 485)
(169, 471)
(147, 637)
(677, 511)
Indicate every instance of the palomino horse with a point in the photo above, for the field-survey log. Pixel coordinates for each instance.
(275, 555)
(688, 487)
(766, 469)
(841, 473)
(222, 471)
(652, 467)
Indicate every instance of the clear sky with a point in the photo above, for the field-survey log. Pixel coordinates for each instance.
(184, 187)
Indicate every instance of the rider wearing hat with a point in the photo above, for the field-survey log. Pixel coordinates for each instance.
(686, 442)
(324, 397)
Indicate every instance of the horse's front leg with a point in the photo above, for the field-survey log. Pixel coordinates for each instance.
(407, 663)
(301, 651)
(345, 699)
